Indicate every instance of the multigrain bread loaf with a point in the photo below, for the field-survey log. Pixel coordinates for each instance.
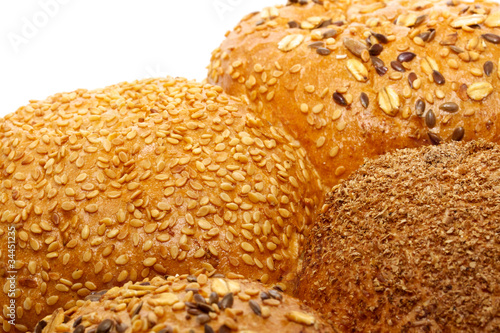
(410, 243)
(151, 177)
(353, 79)
(187, 304)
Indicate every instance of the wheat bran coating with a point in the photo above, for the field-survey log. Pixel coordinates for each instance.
(195, 303)
(150, 177)
(356, 79)
(410, 243)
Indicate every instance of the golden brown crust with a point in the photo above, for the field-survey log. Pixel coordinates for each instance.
(188, 304)
(410, 243)
(289, 61)
(144, 178)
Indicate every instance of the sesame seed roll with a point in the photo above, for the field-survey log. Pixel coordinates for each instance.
(187, 304)
(354, 79)
(152, 177)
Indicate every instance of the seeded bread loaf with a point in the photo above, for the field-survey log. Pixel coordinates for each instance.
(355, 79)
(187, 304)
(410, 243)
(151, 177)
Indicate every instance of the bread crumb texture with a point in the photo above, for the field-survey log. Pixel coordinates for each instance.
(410, 243)
(353, 79)
(187, 303)
(159, 176)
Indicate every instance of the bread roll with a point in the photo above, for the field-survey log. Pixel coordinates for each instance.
(151, 177)
(187, 304)
(410, 243)
(355, 79)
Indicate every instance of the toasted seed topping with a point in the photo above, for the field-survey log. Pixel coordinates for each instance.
(382, 39)
(323, 51)
(411, 79)
(479, 90)
(227, 301)
(458, 134)
(388, 101)
(406, 56)
(449, 107)
(105, 326)
(379, 65)
(469, 20)
(293, 24)
(357, 69)
(255, 307)
(339, 99)
(354, 46)
(492, 38)
(493, 20)
(397, 66)
(430, 119)
(79, 329)
(449, 39)
(488, 67)
(420, 107)
(365, 101)
(316, 45)
(301, 318)
(290, 42)
(376, 49)
(435, 138)
(438, 77)
(331, 33)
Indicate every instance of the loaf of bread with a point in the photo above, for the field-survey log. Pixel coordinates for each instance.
(187, 304)
(410, 243)
(355, 79)
(138, 179)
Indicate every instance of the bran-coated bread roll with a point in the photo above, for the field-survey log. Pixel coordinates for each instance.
(410, 243)
(187, 304)
(160, 176)
(355, 79)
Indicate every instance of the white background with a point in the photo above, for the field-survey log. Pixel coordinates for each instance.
(50, 46)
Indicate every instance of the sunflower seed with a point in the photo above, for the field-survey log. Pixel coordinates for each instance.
(388, 101)
(397, 66)
(316, 45)
(357, 69)
(435, 138)
(488, 68)
(430, 119)
(438, 78)
(456, 49)
(406, 56)
(420, 107)
(290, 42)
(213, 298)
(354, 46)
(379, 65)
(208, 329)
(450, 39)
(449, 107)
(420, 20)
(255, 307)
(458, 134)
(77, 321)
(479, 90)
(339, 99)
(330, 33)
(293, 24)
(202, 319)
(79, 329)
(275, 294)
(492, 38)
(323, 51)
(365, 101)
(105, 326)
(227, 301)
